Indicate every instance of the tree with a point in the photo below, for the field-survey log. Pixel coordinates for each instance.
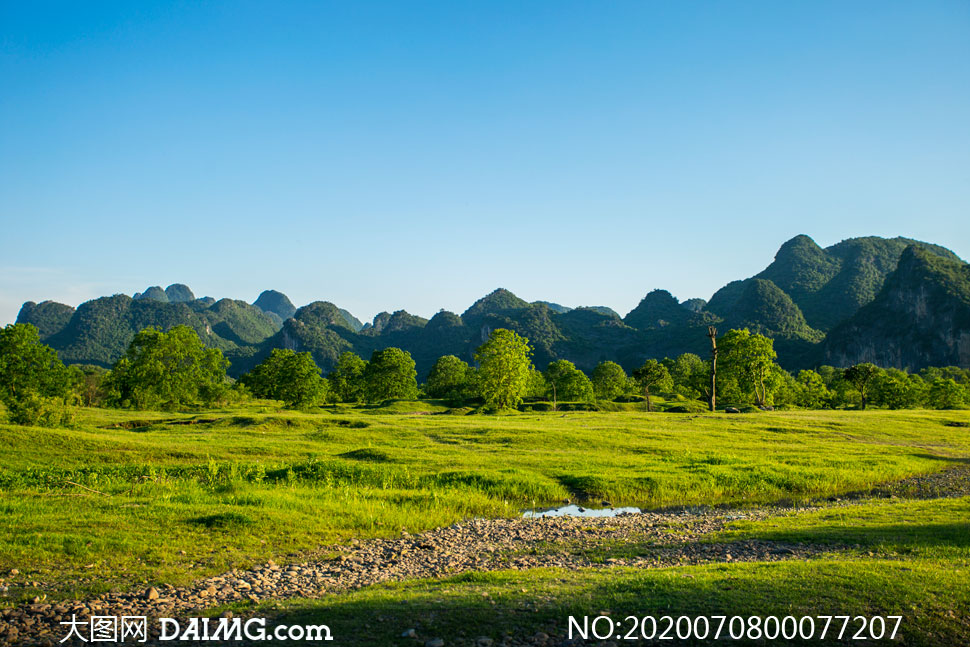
(814, 394)
(27, 365)
(690, 375)
(504, 360)
(896, 389)
(289, 376)
(34, 383)
(448, 378)
(860, 376)
(652, 374)
(89, 386)
(785, 389)
(567, 381)
(749, 359)
(712, 389)
(168, 370)
(955, 373)
(390, 375)
(555, 375)
(945, 393)
(347, 377)
(609, 380)
(535, 386)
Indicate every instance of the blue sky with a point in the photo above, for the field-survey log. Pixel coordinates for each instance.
(418, 155)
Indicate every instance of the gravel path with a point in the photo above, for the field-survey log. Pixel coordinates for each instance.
(662, 538)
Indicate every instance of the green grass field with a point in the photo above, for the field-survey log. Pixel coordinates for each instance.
(904, 558)
(131, 497)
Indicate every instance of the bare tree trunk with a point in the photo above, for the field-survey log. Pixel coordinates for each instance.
(646, 392)
(712, 400)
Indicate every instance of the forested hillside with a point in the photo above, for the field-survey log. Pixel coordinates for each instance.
(896, 302)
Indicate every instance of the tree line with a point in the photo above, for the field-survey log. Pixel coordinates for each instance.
(174, 369)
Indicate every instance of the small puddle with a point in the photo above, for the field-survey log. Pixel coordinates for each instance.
(578, 511)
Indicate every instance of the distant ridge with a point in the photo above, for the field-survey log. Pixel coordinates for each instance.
(897, 302)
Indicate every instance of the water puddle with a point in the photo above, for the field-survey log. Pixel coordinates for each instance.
(578, 511)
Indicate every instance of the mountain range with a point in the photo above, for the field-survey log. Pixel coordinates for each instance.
(896, 302)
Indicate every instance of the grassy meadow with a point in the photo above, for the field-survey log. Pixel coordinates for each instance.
(125, 497)
(909, 558)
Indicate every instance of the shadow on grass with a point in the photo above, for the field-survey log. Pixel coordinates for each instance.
(898, 536)
(222, 521)
(518, 605)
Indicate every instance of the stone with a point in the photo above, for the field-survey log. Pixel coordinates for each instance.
(434, 642)
(151, 593)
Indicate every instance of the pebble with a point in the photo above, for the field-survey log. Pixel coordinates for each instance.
(473, 545)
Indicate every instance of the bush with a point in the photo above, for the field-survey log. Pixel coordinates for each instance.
(630, 398)
(40, 411)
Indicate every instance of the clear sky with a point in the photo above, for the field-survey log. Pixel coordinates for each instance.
(418, 155)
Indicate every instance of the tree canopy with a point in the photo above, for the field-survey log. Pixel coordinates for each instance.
(27, 365)
(448, 378)
(652, 375)
(33, 380)
(347, 377)
(505, 362)
(566, 382)
(390, 375)
(165, 370)
(609, 380)
(749, 360)
(861, 376)
(289, 376)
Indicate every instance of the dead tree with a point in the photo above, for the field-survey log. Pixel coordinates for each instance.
(712, 400)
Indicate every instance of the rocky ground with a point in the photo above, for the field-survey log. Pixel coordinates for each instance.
(661, 539)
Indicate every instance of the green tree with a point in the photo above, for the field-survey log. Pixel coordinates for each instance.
(28, 366)
(289, 376)
(861, 376)
(448, 379)
(505, 362)
(535, 387)
(609, 380)
(165, 370)
(945, 393)
(567, 382)
(813, 394)
(90, 384)
(34, 383)
(783, 388)
(691, 375)
(555, 375)
(955, 373)
(652, 375)
(347, 377)
(748, 359)
(390, 375)
(895, 389)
